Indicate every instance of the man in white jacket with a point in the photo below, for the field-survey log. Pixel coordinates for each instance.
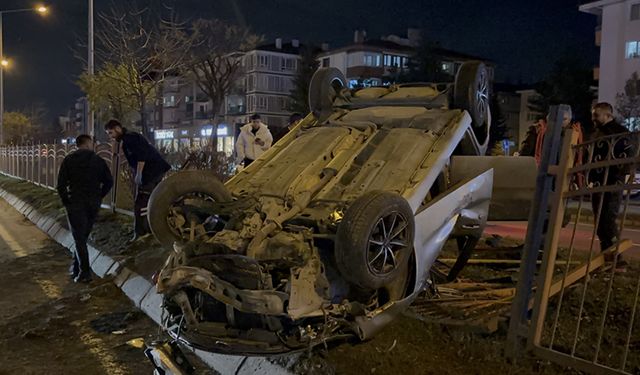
(254, 139)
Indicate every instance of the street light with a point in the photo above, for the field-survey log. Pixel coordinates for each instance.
(5, 63)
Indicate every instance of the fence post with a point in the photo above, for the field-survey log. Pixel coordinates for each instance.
(31, 162)
(519, 323)
(555, 225)
(115, 163)
(55, 164)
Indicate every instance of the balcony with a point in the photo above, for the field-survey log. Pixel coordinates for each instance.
(236, 110)
(203, 115)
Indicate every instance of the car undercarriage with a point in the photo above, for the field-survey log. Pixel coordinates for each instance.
(332, 232)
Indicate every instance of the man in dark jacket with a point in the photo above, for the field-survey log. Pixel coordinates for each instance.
(83, 180)
(147, 165)
(605, 125)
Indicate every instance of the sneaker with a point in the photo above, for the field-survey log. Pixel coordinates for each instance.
(84, 279)
(73, 271)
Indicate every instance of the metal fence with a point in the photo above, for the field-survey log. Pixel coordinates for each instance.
(40, 163)
(584, 312)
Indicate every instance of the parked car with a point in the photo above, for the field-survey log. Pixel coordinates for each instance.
(332, 232)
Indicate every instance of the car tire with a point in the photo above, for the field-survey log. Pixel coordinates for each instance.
(471, 93)
(170, 190)
(324, 87)
(360, 252)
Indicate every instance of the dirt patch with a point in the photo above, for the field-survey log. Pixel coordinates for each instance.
(409, 346)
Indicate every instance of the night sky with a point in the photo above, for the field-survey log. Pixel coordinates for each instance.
(522, 37)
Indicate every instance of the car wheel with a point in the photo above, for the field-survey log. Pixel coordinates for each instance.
(471, 92)
(375, 241)
(168, 213)
(324, 87)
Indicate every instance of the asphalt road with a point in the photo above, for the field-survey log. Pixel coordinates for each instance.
(18, 236)
(48, 324)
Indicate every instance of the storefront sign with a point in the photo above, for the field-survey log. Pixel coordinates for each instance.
(221, 132)
(163, 134)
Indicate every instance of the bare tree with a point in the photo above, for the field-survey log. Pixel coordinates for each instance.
(214, 60)
(145, 48)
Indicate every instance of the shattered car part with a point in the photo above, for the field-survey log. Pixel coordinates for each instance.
(330, 233)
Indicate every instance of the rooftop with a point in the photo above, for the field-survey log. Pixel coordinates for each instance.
(292, 47)
(595, 7)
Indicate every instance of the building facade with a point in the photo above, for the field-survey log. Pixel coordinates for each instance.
(269, 73)
(380, 62)
(263, 87)
(618, 36)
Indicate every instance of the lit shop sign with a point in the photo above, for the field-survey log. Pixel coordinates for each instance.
(184, 132)
(163, 134)
(222, 131)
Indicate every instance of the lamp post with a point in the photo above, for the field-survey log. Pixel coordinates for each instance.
(4, 63)
(90, 70)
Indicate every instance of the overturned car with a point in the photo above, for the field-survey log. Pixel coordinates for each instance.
(332, 232)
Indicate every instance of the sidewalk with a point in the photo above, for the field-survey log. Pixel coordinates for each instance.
(586, 213)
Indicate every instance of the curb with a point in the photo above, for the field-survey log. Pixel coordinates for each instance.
(140, 291)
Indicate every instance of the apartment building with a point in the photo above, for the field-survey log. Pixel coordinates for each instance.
(378, 62)
(184, 118)
(618, 36)
(269, 72)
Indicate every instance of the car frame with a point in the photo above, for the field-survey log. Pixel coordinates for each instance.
(332, 232)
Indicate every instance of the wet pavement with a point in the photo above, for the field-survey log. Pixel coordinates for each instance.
(48, 324)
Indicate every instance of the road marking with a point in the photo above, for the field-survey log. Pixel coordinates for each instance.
(13, 244)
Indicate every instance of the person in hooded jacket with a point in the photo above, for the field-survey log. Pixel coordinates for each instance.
(84, 179)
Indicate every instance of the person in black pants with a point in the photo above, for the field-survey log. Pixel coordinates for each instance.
(605, 125)
(148, 167)
(84, 180)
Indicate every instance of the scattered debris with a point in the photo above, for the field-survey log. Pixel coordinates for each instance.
(494, 240)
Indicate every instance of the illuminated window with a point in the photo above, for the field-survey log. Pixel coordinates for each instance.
(372, 60)
(632, 50)
(448, 67)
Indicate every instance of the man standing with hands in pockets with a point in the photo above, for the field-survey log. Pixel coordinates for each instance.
(84, 179)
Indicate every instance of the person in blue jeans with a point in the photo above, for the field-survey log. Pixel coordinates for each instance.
(84, 179)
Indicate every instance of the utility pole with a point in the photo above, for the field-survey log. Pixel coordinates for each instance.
(90, 69)
(1, 87)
